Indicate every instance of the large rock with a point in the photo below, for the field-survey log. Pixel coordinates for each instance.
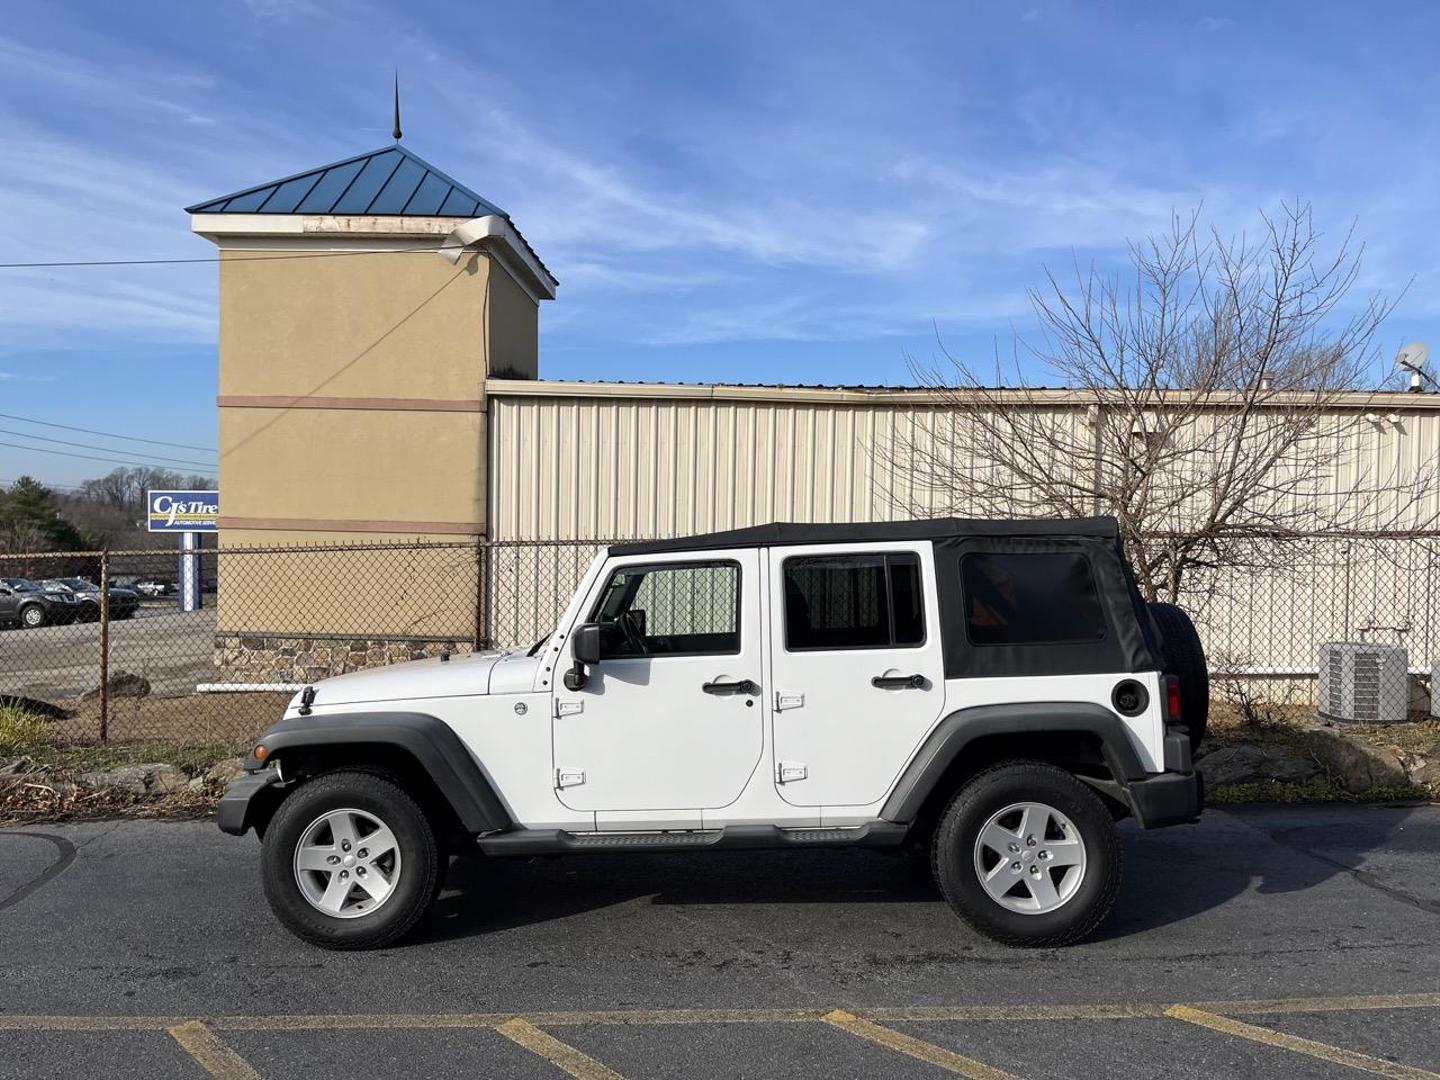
(1355, 765)
(154, 778)
(122, 684)
(1249, 763)
(22, 764)
(222, 772)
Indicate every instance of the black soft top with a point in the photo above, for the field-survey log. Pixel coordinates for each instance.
(791, 532)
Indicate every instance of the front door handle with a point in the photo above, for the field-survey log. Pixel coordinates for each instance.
(898, 682)
(744, 686)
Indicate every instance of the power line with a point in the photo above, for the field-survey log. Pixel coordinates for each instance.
(91, 446)
(215, 259)
(87, 457)
(105, 434)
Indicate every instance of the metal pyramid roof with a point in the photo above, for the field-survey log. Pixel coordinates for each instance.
(390, 181)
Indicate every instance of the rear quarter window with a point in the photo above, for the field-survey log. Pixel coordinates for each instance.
(1030, 598)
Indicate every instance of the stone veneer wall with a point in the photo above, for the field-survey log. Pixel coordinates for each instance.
(275, 658)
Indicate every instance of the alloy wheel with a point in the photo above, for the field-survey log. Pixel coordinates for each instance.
(1030, 858)
(347, 863)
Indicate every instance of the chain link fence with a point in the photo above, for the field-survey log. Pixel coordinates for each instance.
(127, 662)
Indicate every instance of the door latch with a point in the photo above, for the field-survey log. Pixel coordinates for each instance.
(569, 777)
(568, 708)
(790, 771)
(788, 699)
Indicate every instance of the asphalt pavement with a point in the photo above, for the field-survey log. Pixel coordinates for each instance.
(175, 650)
(1262, 942)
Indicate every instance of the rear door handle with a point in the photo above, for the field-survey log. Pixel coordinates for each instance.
(744, 686)
(898, 682)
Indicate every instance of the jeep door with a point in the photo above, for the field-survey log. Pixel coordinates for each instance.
(856, 667)
(671, 718)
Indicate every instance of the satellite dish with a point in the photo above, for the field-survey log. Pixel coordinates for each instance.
(1413, 357)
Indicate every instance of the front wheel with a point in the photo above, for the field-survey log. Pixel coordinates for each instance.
(349, 861)
(32, 616)
(1027, 855)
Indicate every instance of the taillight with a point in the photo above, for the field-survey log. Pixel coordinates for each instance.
(1172, 699)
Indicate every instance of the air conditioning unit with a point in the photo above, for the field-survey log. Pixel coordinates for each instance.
(1364, 683)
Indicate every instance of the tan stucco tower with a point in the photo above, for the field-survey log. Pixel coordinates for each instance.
(354, 350)
(363, 305)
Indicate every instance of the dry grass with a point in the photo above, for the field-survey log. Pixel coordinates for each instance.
(194, 720)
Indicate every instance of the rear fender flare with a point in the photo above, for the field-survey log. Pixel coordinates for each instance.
(960, 729)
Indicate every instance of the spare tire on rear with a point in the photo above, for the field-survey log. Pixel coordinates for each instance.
(1185, 659)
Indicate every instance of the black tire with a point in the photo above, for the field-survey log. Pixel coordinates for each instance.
(415, 838)
(33, 616)
(1185, 659)
(953, 858)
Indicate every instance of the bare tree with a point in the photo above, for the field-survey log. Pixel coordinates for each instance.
(1206, 400)
(124, 489)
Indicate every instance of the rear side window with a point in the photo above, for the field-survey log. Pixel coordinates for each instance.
(1030, 598)
(853, 602)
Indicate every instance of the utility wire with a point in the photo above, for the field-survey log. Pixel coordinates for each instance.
(105, 434)
(214, 259)
(106, 449)
(88, 457)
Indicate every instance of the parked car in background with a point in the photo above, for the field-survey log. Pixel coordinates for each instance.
(155, 587)
(29, 604)
(123, 602)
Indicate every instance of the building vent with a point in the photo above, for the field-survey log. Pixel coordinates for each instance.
(1364, 683)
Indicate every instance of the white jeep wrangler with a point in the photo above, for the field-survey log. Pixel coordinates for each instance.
(995, 690)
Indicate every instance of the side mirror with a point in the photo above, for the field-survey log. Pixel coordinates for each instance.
(585, 647)
(585, 643)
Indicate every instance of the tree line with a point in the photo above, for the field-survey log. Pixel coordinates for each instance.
(108, 511)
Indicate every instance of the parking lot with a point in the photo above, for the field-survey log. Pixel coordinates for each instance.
(174, 650)
(1262, 942)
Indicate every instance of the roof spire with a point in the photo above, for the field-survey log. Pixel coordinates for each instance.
(396, 132)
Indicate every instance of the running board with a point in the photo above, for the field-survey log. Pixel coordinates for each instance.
(731, 838)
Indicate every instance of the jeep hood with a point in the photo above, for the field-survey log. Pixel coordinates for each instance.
(459, 676)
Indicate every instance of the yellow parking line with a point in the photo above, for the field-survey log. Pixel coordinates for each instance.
(561, 1055)
(1295, 1044)
(89, 1023)
(1350, 1003)
(1014, 1012)
(210, 1053)
(916, 1048)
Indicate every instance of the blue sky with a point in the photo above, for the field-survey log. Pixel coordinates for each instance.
(740, 191)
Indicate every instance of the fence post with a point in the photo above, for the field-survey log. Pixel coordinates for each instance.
(1345, 630)
(104, 644)
(482, 597)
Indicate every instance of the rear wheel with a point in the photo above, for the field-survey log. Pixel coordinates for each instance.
(349, 861)
(1027, 855)
(1185, 659)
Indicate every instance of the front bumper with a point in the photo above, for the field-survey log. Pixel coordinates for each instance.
(1166, 799)
(248, 802)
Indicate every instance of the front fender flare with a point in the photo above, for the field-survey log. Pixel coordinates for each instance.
(429, 740)
(961, 728)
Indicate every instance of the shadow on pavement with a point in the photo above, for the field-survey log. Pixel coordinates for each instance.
(1171, 875)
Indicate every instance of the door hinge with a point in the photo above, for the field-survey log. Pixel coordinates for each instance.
(569, 777)
(787, 772)
(568, 708)
(788, 699)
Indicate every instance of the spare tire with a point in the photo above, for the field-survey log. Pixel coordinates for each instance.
(1185, 659)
